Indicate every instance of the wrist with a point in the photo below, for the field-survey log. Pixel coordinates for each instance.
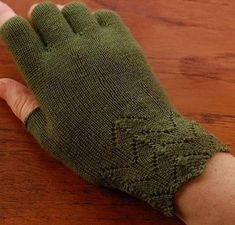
(205, 199)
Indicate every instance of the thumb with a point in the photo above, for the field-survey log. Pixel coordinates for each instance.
(18, 97)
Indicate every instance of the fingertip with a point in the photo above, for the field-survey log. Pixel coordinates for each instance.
(31, 10)
(3, 84)
(6, 13)
(2, 88)
(60, 7)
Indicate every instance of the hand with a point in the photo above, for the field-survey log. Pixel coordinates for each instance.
(99, 110)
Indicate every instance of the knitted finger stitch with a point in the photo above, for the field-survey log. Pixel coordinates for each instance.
(102, 113)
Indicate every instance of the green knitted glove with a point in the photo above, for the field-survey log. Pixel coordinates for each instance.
(101, 112)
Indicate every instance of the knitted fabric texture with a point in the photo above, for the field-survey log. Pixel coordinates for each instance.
(102, 113)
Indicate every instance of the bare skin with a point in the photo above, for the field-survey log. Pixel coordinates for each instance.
(206, 200)
(210, 198)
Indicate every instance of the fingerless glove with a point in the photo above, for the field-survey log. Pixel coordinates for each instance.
(102, 112)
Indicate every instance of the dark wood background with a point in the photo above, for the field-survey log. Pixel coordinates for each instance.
(190, 44)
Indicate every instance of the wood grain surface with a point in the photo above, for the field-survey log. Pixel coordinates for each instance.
(191, 46)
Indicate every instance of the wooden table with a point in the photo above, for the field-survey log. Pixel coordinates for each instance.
(191, 46)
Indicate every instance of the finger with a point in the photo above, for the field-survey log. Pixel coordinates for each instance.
(50, 23)
(23, 42)
(6, 13)
(31, 10)
(108, 18)
(79, 17)
(18, 97)
(60, 7)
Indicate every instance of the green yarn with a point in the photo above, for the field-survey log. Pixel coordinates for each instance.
(101, 111)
